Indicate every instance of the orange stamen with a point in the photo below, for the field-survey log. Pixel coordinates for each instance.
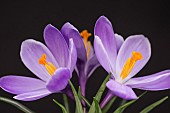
(85, 34)
(48, 65)
(130, 64)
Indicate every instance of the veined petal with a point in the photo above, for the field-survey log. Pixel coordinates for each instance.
(69, 31)
(103, 29)
(34, 95)
(19, 84)
(101, 54)
(57, 45)
(91, 65)
(91, 53)
(72, 55)
(157, 81)
(59, 80)
(31, 52)
(137, 43)
(121, 90)
(119, 41)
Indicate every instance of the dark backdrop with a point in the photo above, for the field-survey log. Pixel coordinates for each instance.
(22, 20)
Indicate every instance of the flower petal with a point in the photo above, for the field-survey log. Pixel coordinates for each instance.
(119, 41)
(103, 29)
(57, 45)
(19, 84)
(136, 43)
(69, 31)
(59, 80)
(72, 55)
(158, 81)
(91, 65)
(121, 90)
(34, 95)
(101, 54)
(31, 52)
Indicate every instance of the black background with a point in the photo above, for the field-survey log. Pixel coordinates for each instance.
(27, 19)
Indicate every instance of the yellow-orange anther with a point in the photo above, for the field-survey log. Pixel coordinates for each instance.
(130, 64)
(85, 34)
(48, 65)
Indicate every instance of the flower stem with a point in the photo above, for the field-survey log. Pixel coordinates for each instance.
(106, 99)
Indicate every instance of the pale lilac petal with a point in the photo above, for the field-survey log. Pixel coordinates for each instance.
(91, 65)
(72, 55)
(157, 81)
(121, 90)
(119, 41)
(103, 29)
(69, 31)
(91, 54)
(57, 45)
(136, 43)
(19, 84)
(34, 95)
(59, 80)
(101, 54)
(31, 52)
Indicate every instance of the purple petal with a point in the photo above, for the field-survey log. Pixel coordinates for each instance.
(59, 80)
(119, 41)
(19, 84)
(72, 55)
(34, 95)
(101, 54)
(103, 29)
(57, 44)
(136, 43)
(158, 81)
(69, 31)
(91, 65)
(31, 52)
(121, 90)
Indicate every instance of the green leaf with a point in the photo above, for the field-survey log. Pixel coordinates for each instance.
(66, 103)
(99, 94)
(109, 104)
(16, 104)
(97, 106)
(79, 108)
(152, 106)
(79, 93)
(61, 106)
(86, 101)
(124, 106)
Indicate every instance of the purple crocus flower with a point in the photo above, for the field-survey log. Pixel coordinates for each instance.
(87, 61)
(124, 59)
(53, 66)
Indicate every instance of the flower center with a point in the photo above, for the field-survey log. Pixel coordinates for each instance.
(85, 34)
(48, 65)
(130, 64)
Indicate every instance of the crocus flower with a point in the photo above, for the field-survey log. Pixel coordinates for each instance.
(124, 59)
(87, 61)
(53, 65)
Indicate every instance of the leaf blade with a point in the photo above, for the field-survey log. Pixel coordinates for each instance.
(98, 109)
(155, 104)
(66, 103)
(16, 104)
(107, 107)
(86, 101)
(124, 106)
(99, 94)
(79, 108)
(60, 105)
